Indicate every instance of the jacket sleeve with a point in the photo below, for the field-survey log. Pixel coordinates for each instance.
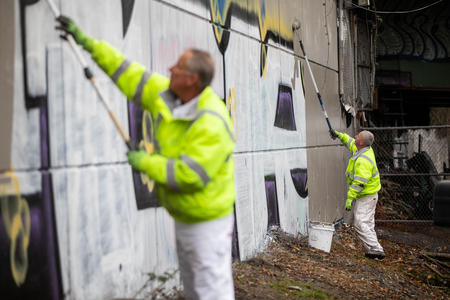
(347, 141)
(209, 146)
(131, 78)
(363, 172)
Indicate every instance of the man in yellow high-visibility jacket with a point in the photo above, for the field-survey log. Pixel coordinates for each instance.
(192, 165)
(363, 185)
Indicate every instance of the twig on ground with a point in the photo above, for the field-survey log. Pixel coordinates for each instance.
(436, 271)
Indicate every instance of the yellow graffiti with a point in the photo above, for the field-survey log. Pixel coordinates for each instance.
(147, 145)
(16, 220)
(263, 60)
(266, 12)
(270, 18)
(269, 21)
(231, 106)
(219, 17)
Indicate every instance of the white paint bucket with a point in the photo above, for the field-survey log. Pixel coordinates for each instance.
(320, 235)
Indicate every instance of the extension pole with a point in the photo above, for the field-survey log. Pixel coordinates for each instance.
(89, 75)
(296, 29)
(315, 86)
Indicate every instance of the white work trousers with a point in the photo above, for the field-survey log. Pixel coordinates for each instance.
(204, 256)
(364, 222)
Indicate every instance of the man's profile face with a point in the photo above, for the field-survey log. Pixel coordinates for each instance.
(180, 77)
(359, 142)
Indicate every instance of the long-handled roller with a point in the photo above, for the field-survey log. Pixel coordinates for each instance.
(89, 75)
(296, 27)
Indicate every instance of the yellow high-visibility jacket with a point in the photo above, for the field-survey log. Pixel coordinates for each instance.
(362, 172)
(192, 164)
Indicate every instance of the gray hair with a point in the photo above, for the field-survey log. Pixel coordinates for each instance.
(367, 137)
(201, 63)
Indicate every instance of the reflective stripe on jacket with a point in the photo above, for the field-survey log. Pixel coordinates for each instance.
(192, 165)
(362, 172)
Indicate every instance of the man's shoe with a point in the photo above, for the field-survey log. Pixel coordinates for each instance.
(375, 255)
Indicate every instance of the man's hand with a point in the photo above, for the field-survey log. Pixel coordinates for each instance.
(333, 134)
(68, 26)
(348, 204)
(136, 159)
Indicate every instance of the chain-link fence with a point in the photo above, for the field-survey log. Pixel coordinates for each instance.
(411, 160)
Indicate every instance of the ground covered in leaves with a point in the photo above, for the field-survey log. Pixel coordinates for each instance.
(416, 266)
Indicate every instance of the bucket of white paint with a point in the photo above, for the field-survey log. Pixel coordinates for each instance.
(320, 235)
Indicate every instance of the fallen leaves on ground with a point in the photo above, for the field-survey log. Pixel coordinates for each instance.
(290, 269)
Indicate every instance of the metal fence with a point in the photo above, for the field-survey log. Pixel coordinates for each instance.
(411, 160)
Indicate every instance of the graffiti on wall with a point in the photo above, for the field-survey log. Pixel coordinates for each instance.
(284, 116)
(300, 179)
(262, 13)
(15, 213)
(28, 248)
(273, 218)
(127, 10)
(30, 216)
(31, 99)
(29, 260)
(265, 15)
(231, 106)
(35, 97)
(421, 35)
(142, 136)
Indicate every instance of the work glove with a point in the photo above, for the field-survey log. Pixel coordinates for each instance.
(68, 26)
(333, 134)
(138, 160)
(348, 204)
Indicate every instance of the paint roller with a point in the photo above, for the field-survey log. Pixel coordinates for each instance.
(296, 29)
(89, 75)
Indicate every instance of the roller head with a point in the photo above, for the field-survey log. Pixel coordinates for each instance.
(296, 25)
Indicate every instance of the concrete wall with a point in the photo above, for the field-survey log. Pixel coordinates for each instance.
(83, 216)
(326, 158)
(6, 82)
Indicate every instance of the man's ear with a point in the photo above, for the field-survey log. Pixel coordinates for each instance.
(194, 79)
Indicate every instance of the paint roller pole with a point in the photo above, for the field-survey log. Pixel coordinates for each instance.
(89, 75)
(315, 87)
(295, 27)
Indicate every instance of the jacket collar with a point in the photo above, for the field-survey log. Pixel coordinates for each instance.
(186, 111)
(360, 152)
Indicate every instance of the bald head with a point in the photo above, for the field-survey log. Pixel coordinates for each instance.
(367, 138)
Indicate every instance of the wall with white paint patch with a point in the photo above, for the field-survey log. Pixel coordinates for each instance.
(105, 246)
